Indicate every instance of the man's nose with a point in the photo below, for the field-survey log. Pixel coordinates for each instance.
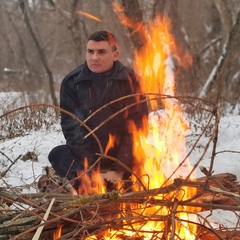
(95, 56)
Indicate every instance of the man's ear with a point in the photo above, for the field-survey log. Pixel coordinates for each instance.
(116, 54)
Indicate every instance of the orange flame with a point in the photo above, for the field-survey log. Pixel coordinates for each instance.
(93, 183)
(88, 15)
(58, 233)
(90, 184)
(112, 140)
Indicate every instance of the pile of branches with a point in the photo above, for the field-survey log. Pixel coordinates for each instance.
(79, 217)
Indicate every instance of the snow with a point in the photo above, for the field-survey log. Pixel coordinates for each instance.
(9, 98)
(25, 173)
(228, 149)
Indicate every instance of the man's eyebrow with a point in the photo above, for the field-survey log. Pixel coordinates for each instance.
(102, 49)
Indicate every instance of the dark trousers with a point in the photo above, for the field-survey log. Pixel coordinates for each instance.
(64, 163)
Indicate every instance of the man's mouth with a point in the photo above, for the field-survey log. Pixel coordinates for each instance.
(95, 65)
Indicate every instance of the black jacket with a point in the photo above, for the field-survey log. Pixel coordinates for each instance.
(82, 93)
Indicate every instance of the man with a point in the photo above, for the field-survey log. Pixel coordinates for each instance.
(98, 81)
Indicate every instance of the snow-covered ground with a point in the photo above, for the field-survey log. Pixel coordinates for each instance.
(26, 172)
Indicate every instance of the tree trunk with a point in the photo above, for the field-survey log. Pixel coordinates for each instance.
(219, 82)
(133, 11)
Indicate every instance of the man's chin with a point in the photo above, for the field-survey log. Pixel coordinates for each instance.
(98, 69)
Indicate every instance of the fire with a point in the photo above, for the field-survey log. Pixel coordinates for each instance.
(58, 233)
(112, 140)
(160, 157)
(93, 183)
(168, 127)
(90, 183)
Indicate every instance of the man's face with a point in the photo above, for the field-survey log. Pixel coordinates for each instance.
(100, 56)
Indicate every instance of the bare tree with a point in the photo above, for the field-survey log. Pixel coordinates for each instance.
(219, 77)
(41, 53)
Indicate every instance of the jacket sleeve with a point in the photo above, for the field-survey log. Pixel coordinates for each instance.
(73, 131)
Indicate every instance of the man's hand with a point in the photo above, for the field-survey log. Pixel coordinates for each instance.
(113, 177)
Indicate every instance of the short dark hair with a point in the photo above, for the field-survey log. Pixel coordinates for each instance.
(104, 36)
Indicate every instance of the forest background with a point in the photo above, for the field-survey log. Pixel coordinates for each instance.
(41, 41)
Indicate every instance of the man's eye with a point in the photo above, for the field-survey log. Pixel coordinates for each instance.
(90, 51)
(102, 52)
